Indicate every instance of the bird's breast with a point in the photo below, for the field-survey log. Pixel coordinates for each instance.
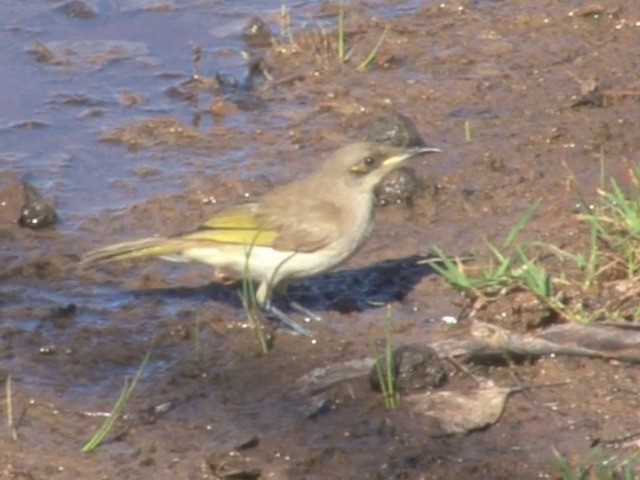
(357, 225)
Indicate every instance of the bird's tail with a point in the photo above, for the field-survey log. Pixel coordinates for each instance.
(148, 247)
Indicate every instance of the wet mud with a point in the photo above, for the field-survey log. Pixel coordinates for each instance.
(136, 133)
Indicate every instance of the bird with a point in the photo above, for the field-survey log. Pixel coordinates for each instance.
(301, 229)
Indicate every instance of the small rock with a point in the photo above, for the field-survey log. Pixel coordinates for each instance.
(595, 11)
(251, 442)
(77, 9)
(257, 33)
(399, 186)
(316, 407)
(590, 95)
(255, 69)
(150, 415)
(42, 53)
(35, 213)
(396, 129)
(416, 368)
(232, 465)
(63, 316)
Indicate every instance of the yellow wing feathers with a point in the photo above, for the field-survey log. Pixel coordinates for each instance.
(245, 236)
(241, 217)
(239, 225)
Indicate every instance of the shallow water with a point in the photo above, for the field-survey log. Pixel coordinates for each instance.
(74, 103)
(53, 114)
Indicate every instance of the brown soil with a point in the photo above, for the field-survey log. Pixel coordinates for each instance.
(544, 88)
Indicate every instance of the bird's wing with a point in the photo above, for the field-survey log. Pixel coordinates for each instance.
(317, 226)
(282, 228)
(238, 225)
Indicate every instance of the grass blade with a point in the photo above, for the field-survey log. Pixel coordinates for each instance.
(125, 394)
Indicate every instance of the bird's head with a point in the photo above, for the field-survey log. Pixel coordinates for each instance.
(363, 165)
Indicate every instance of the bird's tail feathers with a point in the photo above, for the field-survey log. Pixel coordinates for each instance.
(148, 247)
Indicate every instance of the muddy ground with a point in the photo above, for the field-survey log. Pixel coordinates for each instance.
(505, 90)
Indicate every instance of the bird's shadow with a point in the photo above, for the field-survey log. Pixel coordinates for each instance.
(344, 291)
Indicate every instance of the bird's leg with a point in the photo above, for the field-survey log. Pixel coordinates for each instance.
(263, 298)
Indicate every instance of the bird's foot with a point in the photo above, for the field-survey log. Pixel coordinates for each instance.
(294, 326)
(305, 311)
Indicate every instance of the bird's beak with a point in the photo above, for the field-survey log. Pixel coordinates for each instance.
(410, 153)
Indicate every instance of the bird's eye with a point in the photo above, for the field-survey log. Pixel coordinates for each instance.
(365, 165)
(370, 161)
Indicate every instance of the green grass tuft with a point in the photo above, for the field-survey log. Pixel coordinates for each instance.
(387, 372)
(118, 408)
(250, 303)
